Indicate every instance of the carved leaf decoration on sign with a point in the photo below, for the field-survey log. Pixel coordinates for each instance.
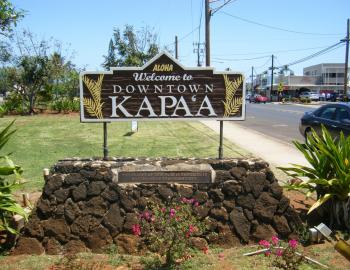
(93, 105)
(232, 104)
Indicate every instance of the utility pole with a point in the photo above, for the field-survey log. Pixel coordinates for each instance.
(207, 33)
(176, 48)
(198, 57)
(252, 89)
(197, 49)
(207, 63)
(272, 68)
(346, 59)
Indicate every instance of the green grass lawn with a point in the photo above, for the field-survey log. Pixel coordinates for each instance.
(41, 140)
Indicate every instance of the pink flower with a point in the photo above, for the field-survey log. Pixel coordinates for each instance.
(172, 212)
(192, 229)
(264, 243)
(293, 243)
(184, 200)
(279, 252)
(136, 229)
(221, 256)
(146, 215)
(275, 240)
(163, 209)
(196, 204)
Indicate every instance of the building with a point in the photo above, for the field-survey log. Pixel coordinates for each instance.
(325, 77)
(329, 76)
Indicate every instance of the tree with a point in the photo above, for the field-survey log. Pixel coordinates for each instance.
(64, 77)
(9, 17)
(31, 77)
(131, 49)
(110, 59)
(41, 72)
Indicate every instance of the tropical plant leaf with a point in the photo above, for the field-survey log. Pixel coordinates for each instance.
(5, 134)
(329, 170)
(320, 201)
(8, 206)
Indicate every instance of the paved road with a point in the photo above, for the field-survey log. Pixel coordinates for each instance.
(275, 120)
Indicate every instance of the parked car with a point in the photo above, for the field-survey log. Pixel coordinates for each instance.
(258, 99)
(335, 117)
(342, 97)
(248, 96)
(310, 95)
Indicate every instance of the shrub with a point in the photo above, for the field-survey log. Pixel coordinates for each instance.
(8, 205)
(75, 105)
(3, 111)
(283, 256)
(167, 229)
(328, 176)
(14, 103)
(65, 105)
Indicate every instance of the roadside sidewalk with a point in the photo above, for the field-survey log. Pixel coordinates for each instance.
(260, 145)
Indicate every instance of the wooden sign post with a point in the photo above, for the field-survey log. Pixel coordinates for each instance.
(161, 90)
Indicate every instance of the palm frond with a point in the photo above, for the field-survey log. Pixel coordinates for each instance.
(94, 106)
(232, 104)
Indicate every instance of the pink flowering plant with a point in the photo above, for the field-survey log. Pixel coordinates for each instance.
(283, 255)
(167, 229)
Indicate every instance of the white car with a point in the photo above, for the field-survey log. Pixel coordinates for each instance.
(310, 95)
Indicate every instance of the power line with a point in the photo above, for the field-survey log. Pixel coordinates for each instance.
(220, 7)
(263, 65)
(278, 28)
(185, 36)
(192, 19)
(200, 23)
(306, 58)
(274, 52)
(240, 59)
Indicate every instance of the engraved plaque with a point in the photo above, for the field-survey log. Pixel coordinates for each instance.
(154, 174)
(156, 177)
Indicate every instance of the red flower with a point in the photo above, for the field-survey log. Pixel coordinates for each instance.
(136, 229)
(264, 243)
(146, 215)
(275, 240)
(293, 243)
(267, 253)
(279, 252)
(172, 212)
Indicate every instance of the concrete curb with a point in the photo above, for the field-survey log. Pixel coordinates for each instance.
(260, 145)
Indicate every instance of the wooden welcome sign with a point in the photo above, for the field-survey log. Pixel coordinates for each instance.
(161, 89)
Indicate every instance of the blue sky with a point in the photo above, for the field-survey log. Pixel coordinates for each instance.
(88, 26)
